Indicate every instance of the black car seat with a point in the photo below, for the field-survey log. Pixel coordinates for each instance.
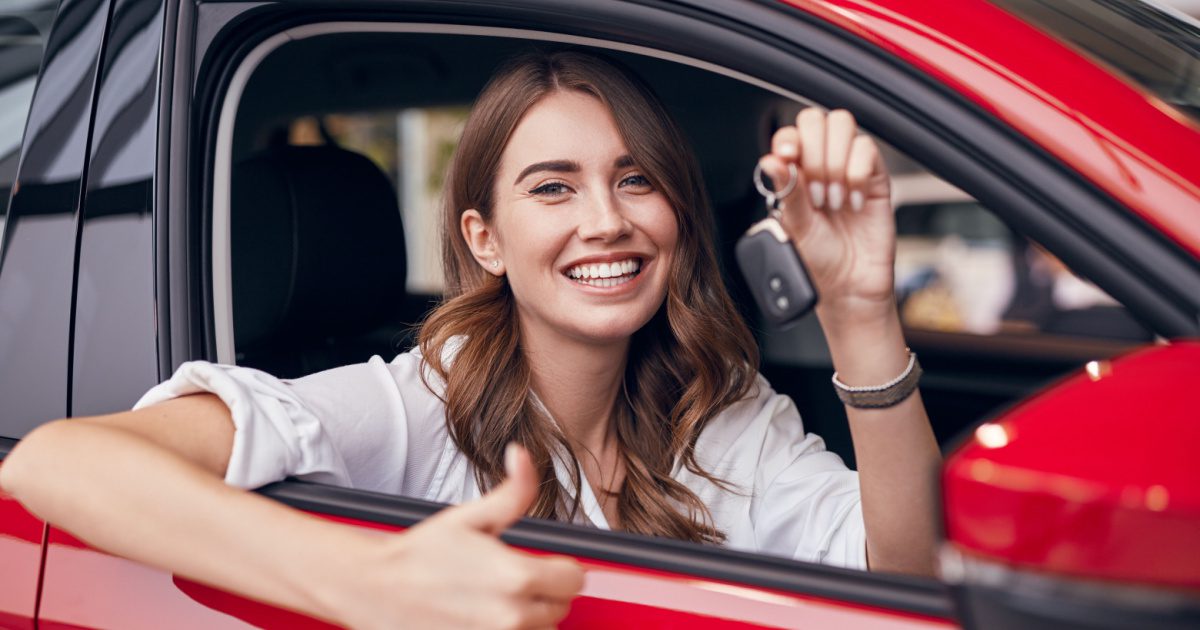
(318, 260)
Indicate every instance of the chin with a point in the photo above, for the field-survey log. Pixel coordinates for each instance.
(611, 330)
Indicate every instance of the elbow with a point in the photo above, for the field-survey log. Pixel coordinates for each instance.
(19, 471)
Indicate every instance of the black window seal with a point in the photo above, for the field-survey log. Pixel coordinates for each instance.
(6, 447)
(887, 591)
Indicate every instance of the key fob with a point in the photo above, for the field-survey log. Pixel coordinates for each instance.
(776, 275)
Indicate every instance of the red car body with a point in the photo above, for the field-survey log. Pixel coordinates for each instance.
(1129, 144)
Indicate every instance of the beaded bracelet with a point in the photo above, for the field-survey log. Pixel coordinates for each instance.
(889, 394)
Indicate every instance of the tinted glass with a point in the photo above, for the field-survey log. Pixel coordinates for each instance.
(23, 27)
(1156, 47)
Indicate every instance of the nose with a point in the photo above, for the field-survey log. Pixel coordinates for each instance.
(604, 220)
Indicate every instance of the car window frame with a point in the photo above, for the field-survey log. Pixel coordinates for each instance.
(721, 563)
(830, 63)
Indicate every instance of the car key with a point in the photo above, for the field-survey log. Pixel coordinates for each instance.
(769, 261)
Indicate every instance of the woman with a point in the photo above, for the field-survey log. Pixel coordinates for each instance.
(586, 322)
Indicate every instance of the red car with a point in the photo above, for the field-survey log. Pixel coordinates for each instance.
(1048, 195)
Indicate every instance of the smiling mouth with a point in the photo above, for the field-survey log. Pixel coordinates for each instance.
(604, 275)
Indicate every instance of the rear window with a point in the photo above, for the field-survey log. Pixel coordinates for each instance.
(23, 28)
(1154, 46)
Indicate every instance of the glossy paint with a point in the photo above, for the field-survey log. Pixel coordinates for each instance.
(1129, 143)
(37, 261)
(99, 590)
(21, 551)
(1096, 478)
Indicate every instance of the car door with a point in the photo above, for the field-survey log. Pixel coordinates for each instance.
(633, 580)
(44, 122)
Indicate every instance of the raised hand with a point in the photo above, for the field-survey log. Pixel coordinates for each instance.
(839, 214)
(451, 571)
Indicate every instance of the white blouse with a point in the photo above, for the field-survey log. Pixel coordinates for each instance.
(376, 426)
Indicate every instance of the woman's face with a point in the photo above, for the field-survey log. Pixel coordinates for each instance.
(585, 240)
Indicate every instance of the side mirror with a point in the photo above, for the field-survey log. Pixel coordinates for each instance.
(1080, 508)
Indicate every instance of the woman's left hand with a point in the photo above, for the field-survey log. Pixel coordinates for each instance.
(839, 215)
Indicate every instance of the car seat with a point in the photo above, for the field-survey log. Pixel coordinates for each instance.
(318, 260)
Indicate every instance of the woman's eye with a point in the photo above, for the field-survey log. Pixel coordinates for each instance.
(636, 181)
(550, 189)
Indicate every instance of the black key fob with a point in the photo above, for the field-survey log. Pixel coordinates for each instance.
(776, 275)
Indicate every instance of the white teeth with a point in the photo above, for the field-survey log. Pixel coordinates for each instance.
(604, 271)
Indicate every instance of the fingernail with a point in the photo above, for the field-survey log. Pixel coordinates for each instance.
(817, 191)
(835, 196)
(787, 150)
(856, 200)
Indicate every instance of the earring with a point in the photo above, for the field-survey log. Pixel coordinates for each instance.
(495, 264)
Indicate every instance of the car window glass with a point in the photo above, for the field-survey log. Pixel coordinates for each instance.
(960, 269)
(23, 27)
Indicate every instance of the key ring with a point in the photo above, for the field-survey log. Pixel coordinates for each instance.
(773, 197)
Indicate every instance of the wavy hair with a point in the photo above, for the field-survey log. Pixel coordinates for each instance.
(694, 358)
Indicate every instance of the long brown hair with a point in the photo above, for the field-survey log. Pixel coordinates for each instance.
(693, 359)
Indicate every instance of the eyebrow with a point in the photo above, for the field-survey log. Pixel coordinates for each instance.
(554, 166)
(567, 166)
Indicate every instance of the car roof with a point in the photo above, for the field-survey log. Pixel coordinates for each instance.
(1129, 143)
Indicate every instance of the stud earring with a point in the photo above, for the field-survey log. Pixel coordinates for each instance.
(495, 264)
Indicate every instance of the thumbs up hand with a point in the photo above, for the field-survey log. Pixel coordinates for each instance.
(451, 570)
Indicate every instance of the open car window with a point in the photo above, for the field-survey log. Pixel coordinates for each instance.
(376, 116)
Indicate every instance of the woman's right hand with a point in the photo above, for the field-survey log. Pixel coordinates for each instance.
(452, 571)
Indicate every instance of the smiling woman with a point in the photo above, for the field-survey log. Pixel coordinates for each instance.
(599, 174)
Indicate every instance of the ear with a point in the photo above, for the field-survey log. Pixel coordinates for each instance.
(481, 238)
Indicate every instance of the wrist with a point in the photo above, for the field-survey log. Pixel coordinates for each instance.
(850, 315)
(867, 347)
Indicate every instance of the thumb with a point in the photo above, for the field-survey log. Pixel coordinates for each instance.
(507, 502)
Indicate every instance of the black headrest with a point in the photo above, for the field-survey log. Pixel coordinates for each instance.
(317, 246)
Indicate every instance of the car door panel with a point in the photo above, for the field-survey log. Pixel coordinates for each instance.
(100, 590)
(93, 589)
(21, 552)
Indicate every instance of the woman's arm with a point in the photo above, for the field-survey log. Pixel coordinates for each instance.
(147, 485)
(896, 452)
(840, 219)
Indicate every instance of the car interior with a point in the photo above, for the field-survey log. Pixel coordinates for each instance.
(336, 152)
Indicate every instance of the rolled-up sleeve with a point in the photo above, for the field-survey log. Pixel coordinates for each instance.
(347, 426)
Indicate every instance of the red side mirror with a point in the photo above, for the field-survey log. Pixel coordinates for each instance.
(1081, 507)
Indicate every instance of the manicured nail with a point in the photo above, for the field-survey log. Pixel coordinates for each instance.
(787, 150)
(816, 190)
(856, 200)
(836, 196)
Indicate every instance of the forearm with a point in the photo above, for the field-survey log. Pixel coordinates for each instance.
(895, 447)
(126, 495)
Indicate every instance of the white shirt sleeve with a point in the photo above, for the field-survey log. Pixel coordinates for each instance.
(373, 425)
(791, 496)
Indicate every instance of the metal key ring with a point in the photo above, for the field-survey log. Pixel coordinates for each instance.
(775, 195)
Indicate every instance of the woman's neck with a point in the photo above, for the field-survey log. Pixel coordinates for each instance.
(578, 382)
